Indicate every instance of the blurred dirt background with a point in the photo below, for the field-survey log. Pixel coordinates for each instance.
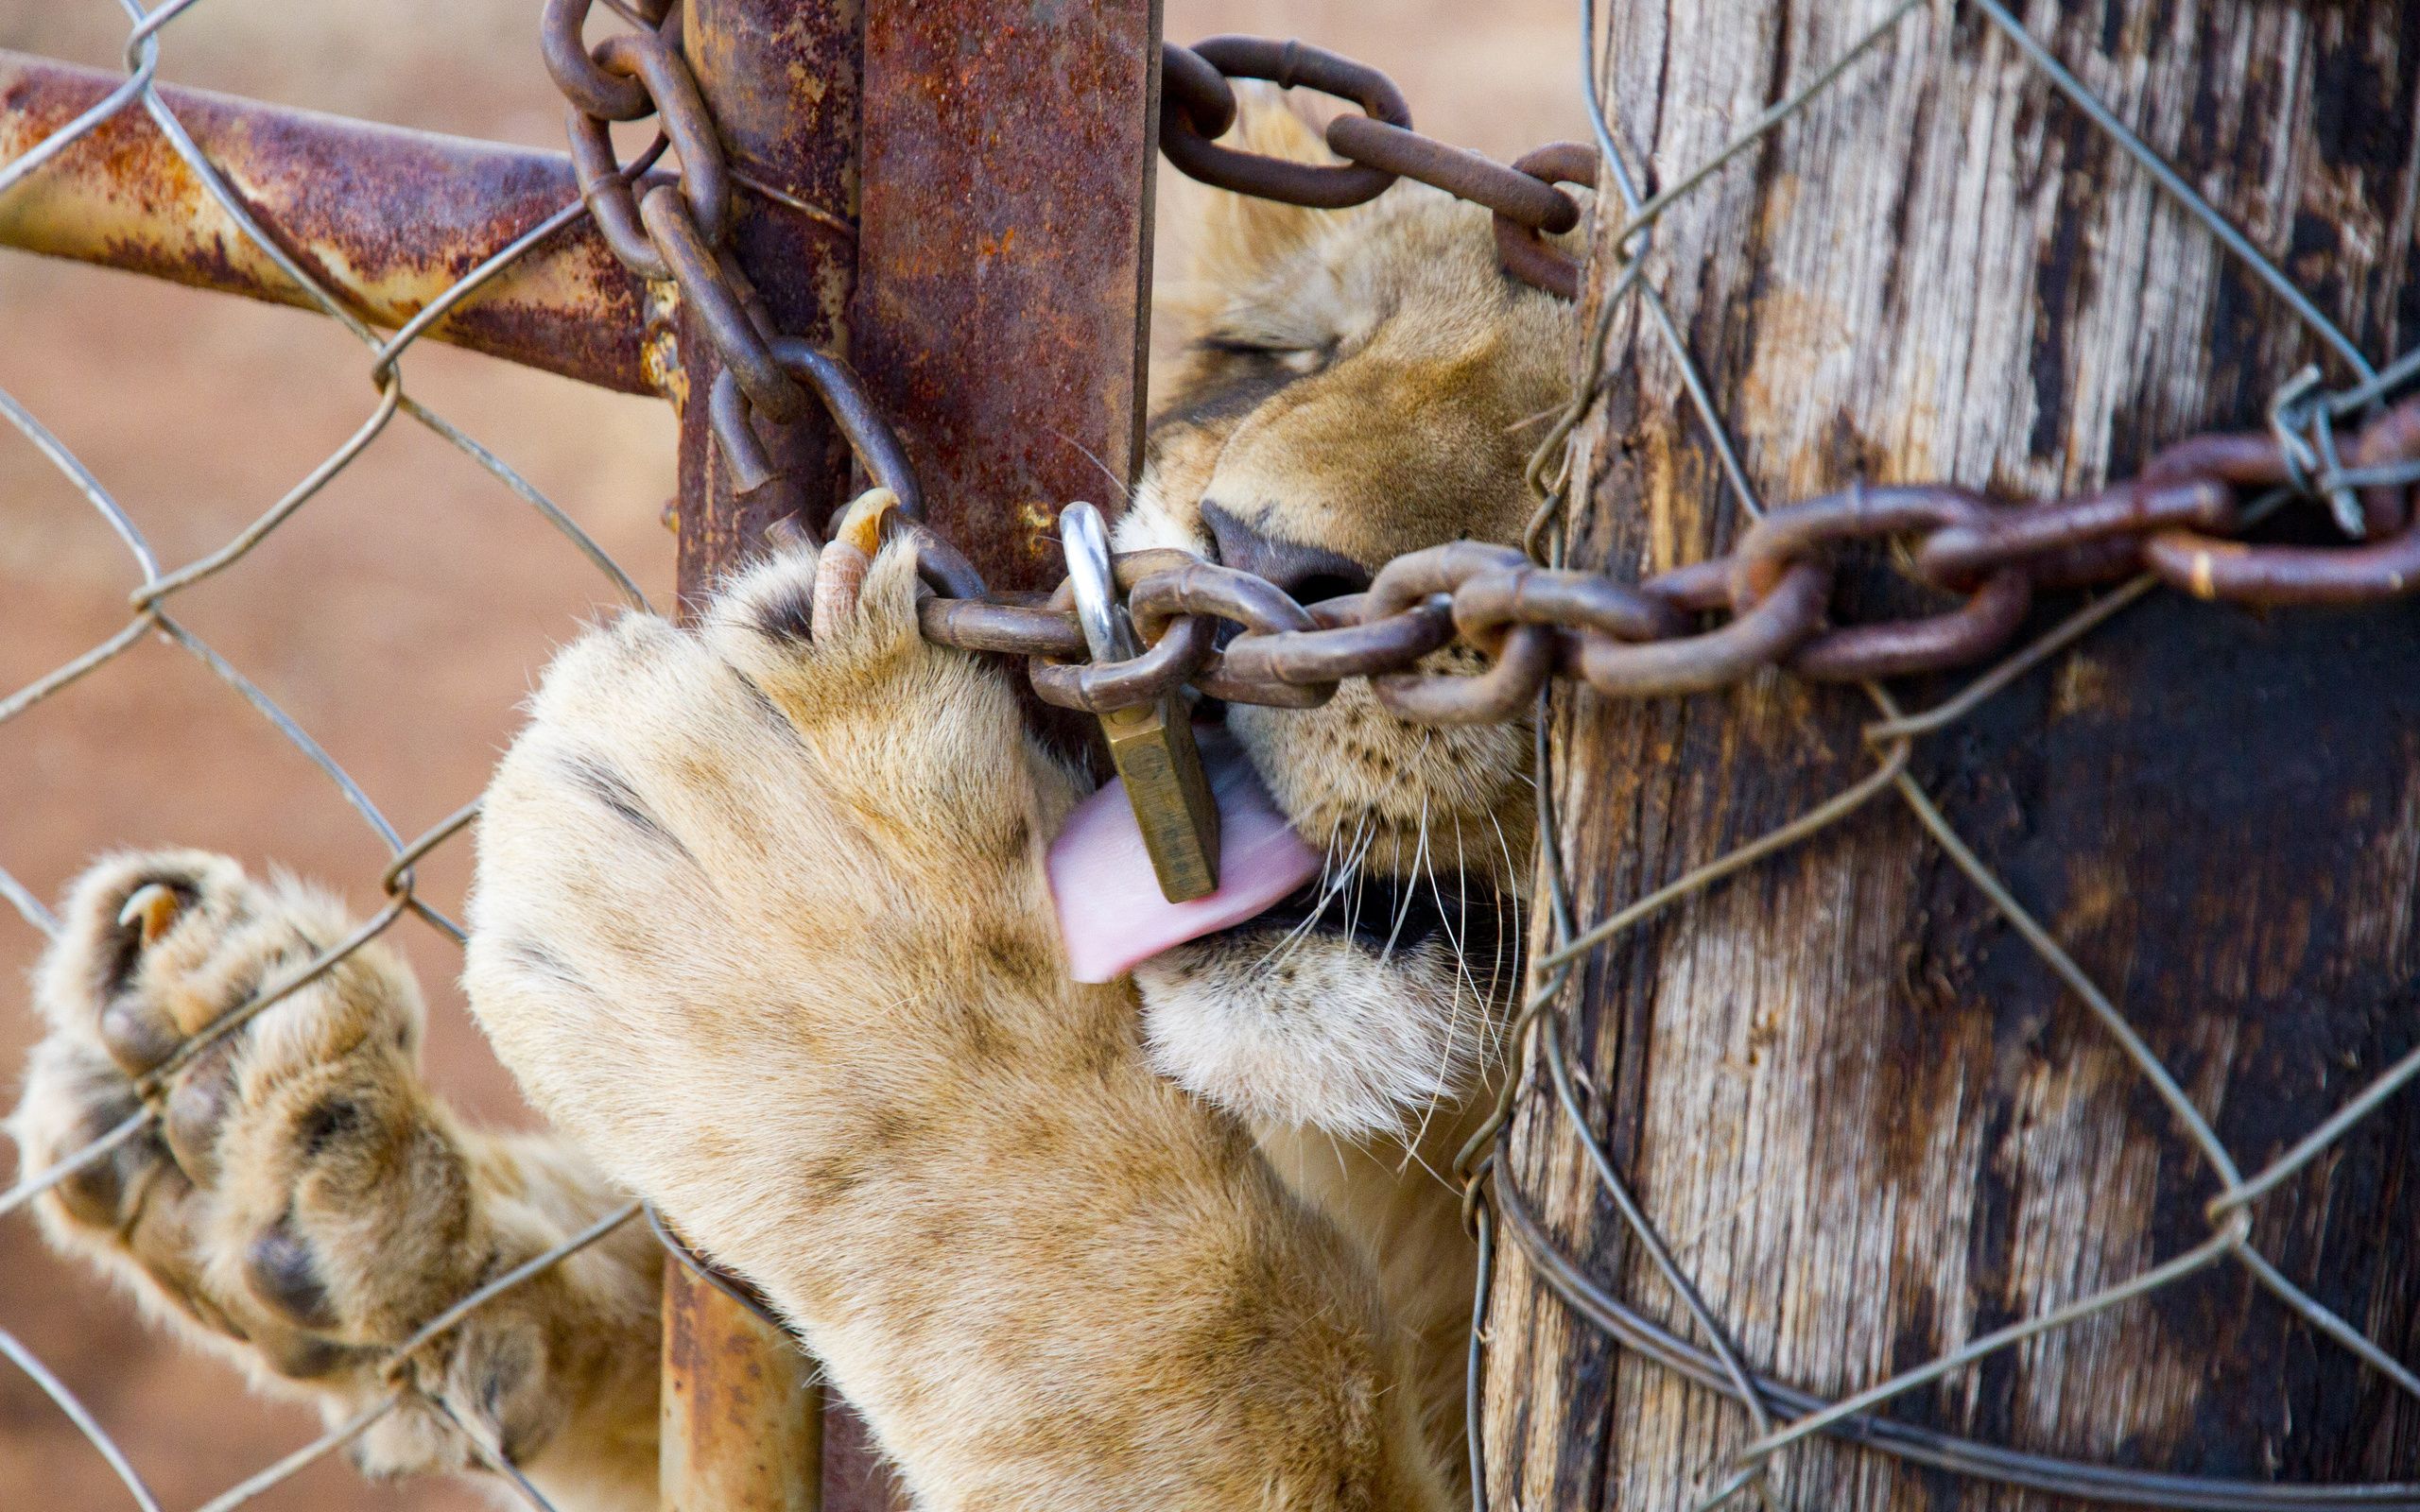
(399, 618)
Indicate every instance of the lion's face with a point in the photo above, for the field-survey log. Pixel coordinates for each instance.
(1359, 385)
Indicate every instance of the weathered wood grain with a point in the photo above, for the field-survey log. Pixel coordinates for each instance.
(1859, 1108)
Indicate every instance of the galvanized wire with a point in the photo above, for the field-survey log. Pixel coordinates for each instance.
(25, 1360)
(1536, 1038)
(147, 600)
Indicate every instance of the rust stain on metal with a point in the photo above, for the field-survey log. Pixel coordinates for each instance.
(781, 81)
(1002, 275)
(739, 1409)
(660, 356)
(388, 218)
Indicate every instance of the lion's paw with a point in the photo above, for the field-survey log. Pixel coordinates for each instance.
(717, 859)
(299, 1203)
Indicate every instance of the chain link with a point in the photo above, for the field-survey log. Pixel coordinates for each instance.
(1379, 145)
(675, 231)
(1770, 597)
(1769, 594)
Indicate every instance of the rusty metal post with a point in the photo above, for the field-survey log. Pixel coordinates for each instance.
(780, 78)
(742, 1410)
(1004, 279)
(386, 219)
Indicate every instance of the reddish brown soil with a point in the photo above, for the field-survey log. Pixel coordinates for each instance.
(399, 617)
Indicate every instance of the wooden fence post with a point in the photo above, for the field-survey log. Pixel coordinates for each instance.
(1866, 1115)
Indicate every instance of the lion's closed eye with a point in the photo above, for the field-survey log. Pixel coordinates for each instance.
(1295, 358)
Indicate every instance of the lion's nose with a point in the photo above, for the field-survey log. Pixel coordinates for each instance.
(1309, 573)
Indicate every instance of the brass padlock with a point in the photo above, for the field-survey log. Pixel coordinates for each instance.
(1153, 744)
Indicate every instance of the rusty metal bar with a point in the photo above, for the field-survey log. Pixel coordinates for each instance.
(780, 78)
(1003, 281)
(389, 220)
(742, 1416)
(386, 218)
(736, 1395)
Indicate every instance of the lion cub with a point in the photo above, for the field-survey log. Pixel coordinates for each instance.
(762, 926)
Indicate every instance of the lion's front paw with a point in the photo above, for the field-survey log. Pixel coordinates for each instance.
(297, 1202)
(718, 862)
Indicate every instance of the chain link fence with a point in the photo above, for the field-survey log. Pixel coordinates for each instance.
(152, 611)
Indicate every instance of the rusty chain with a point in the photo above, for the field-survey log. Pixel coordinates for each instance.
(660, 229)
(1197, 104)
(672, 230)
(1237, 638)
(2176, 521)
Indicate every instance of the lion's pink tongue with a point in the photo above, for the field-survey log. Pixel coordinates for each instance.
(1111, 910)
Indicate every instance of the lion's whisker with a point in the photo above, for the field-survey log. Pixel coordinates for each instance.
(1505, 898)
(1459, 936)
(1351, 872)
(1123, 489)
(1412, 892)
(1454, 1006)
(1353, 904)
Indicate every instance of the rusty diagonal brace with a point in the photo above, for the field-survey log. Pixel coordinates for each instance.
(386, 218)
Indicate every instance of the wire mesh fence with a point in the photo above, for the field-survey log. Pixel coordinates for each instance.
(1781, 1416)
(154, 616)
(152, 611)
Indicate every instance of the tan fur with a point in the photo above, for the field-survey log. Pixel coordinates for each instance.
(760, 926)
(305, 1205)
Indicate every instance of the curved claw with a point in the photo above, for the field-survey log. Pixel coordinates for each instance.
(841, 572)
(156, 904)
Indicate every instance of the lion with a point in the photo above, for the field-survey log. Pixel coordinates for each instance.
(760, 926)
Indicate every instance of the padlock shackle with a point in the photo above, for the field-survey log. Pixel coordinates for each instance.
(1108, 632)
